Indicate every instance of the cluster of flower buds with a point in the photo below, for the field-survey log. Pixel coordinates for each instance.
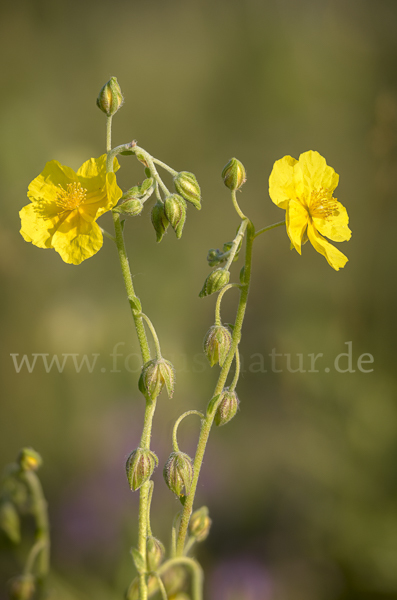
(140, 466)
(233, 174)
(217, 343)
(178, 473)
(200, 524)
(215, 282)
(227, 407)
(216, 257)
(155, 374)
(29, 460)
(110, 97)
(133, 199)
(154, 553)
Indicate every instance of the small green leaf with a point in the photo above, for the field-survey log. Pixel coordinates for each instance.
(126, 153)
(211, 404)
(139, 561)
(135, 303)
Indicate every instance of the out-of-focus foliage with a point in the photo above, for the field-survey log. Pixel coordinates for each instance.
(301, 485)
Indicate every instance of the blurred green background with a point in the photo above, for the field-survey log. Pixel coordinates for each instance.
(302, 484)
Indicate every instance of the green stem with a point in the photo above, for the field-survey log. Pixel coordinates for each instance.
(268, 228)
(161, 587)
(149, 504)
(107, 235)
(236, 243)
(232, 386)
(150, 161)
(164, 166)
(236, 206)
(218, 320)
(207, 422)
(174, 432)
(154, 334)
(197, 573)
(109, 133)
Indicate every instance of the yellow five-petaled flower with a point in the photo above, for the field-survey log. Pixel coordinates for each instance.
(64, 206)
(304, 189)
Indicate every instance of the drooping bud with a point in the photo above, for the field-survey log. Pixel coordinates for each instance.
(159, 220)
(175, 211)
(22, 587)
(227, 407)
(178, 472)
(187, 186)
(10, 522)
(215, 282)
(110, 97)
(29, 460)
(155, 374)
(131, 208)
(200, 524)
(154, 553)
(233, 174)
(140, 466)
(217, 344)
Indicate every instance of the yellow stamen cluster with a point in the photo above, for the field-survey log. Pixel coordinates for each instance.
(322, 204)
(72, 197)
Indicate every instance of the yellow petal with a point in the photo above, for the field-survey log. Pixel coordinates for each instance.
(312, 173)
(38, 225)
(46, 185)
(281, 181)
(296, 219)
(336, 259)
(76, 239)
(335, 226)
(92, 173)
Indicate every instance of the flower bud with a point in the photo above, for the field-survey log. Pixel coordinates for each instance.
(215, 282)
(227, 407)
(233, 174)
(159, 220)
(110, 97)
(200, 524)
(131, 208)
(154, 553)
(140, 466)
(187, 186)
(175, 211)
(178, 472)
(155, 374)
(217, 344)
(9, 521)
(133, 590)
(29, 460)
(22, 587)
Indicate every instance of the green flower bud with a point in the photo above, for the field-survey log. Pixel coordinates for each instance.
(154, 553)
(110, 97)
(10, 522)
(217, 344)
(155, 374)
(175, 211)
(200, 524)
(29, 460)
(227, 407)
(140, 466)
(133, 590)
(178, 472)
(215, 282)
(187, 186)
(131, 208)
(159, 220)
(233, 174)
(22, 587)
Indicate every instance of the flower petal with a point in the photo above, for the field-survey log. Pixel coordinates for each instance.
(46, 185)
(76, 239)
(336, 259)
(335, 226)
(296, 218)
(312, 173)
(281, 181)
(38, 225)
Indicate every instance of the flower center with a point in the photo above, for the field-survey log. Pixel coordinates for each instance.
(72, 197)
(322, 205)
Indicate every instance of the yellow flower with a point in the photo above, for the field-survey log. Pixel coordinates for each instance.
(304, 189)
(65, 205)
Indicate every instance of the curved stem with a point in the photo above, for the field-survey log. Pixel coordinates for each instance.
(268, 228)
(150, 161)
(174, 432)
(236, 206)
(236, 243)
(163, 591)
(207, 422)
(33, 554)
(189, 544)
(196, 570)
(154, 334)
(107, 235)
(232, 386)
(218, 320)
(164, 166)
